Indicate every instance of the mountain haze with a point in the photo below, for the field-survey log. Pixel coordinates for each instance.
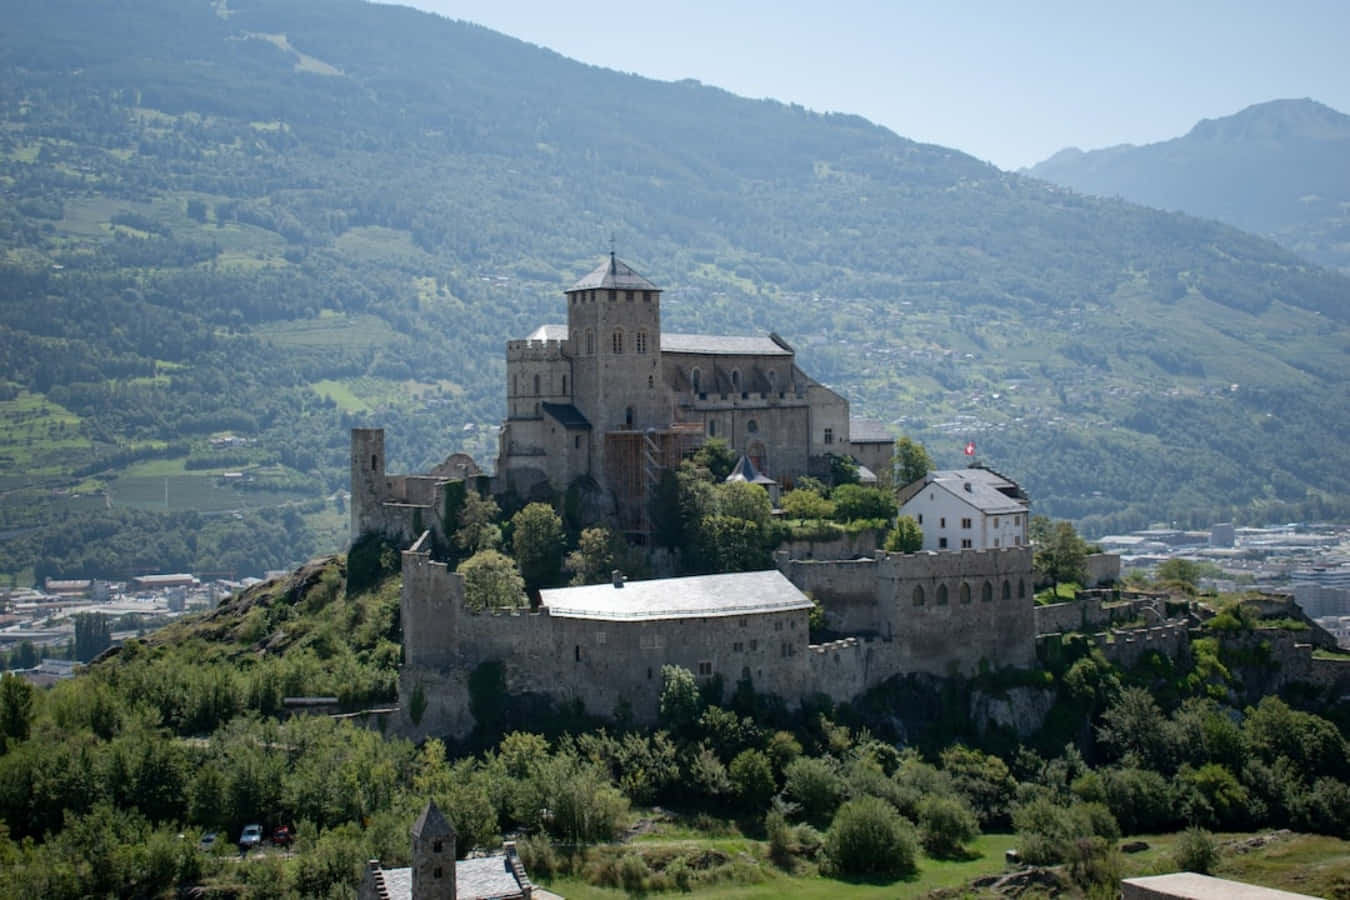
(233, 230)
(1278, 169)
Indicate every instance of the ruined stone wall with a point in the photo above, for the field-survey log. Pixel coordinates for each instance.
(1125, 647)
(845, 668)
(1102, 568)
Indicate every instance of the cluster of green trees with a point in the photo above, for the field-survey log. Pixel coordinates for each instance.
(179, 734)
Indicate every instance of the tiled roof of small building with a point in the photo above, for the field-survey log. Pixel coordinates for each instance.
(701, 596)
(732, 345)
(614, 273)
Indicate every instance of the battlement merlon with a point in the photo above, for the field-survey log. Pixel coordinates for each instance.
(537, 350)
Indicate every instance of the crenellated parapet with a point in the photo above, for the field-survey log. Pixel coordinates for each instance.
(537, 350)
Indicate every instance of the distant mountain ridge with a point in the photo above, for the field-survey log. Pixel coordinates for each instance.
(1280, 169)
(232, 230)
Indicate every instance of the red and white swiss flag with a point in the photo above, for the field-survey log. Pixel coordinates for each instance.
(970, 448)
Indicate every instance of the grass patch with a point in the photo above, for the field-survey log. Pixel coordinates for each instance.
(332, 331)
(987, 858)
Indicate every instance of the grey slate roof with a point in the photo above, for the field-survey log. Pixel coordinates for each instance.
(432, 822)
(614, 273)
(567, 415)
(548, 333)
(731, 345)
(745, 471)
(980, 488)
(701, 596)
(868, 431)
(475, 879)
(486, 876)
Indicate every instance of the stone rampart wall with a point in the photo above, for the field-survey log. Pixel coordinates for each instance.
(601, 663)
(946, 612)
(845, 668)
(1102, 568)
(1092, 610)
(1126, 647)
(846, 546)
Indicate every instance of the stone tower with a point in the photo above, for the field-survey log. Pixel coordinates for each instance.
(368, 481)
(433, 856)
(614, 329)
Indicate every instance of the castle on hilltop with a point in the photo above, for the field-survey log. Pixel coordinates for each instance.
(612, 399)
(608, 402)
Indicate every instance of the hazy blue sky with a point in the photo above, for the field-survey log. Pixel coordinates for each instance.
(1007, 82)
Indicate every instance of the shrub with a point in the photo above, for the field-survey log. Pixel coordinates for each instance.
(806, 504)
(538, 855)
(752, 778)
(815, 785)
(946, 824)
(1195, 851)
(868, 837)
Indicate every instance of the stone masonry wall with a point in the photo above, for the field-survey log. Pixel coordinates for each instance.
(600, 663)
(945, 612)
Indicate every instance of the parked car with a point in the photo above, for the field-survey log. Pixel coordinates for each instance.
(250, 837)
(282, 836)
(209, 841)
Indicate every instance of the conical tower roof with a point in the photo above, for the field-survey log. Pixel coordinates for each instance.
(614, 273)
(432, 823)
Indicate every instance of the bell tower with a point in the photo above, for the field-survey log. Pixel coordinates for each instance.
(614, 330)
(433, 855)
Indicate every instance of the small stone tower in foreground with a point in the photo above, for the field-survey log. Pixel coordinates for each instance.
(433, 855)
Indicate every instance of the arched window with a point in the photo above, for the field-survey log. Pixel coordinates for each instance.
(536, 384)
(965, 592)
(987, 593)
(773, 381)
(1021, 589)
(590, 342)
(374, 462)
(735, 379)
(515, 385)
(752, 426)
(1007, 590)
(712, 428)
(696, 378)
(651, 381)
(918, 595)
(942, 595)
(628, 417)
(617, 340)
(642, 341)
(564, 390)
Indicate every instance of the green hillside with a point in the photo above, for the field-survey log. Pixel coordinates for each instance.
(232, 230)
(1276, 168)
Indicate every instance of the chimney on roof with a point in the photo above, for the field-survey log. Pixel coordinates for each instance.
(969, 488)
(618, 578)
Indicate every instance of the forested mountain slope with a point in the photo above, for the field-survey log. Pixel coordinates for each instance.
(232, 230)
(1276, 168)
